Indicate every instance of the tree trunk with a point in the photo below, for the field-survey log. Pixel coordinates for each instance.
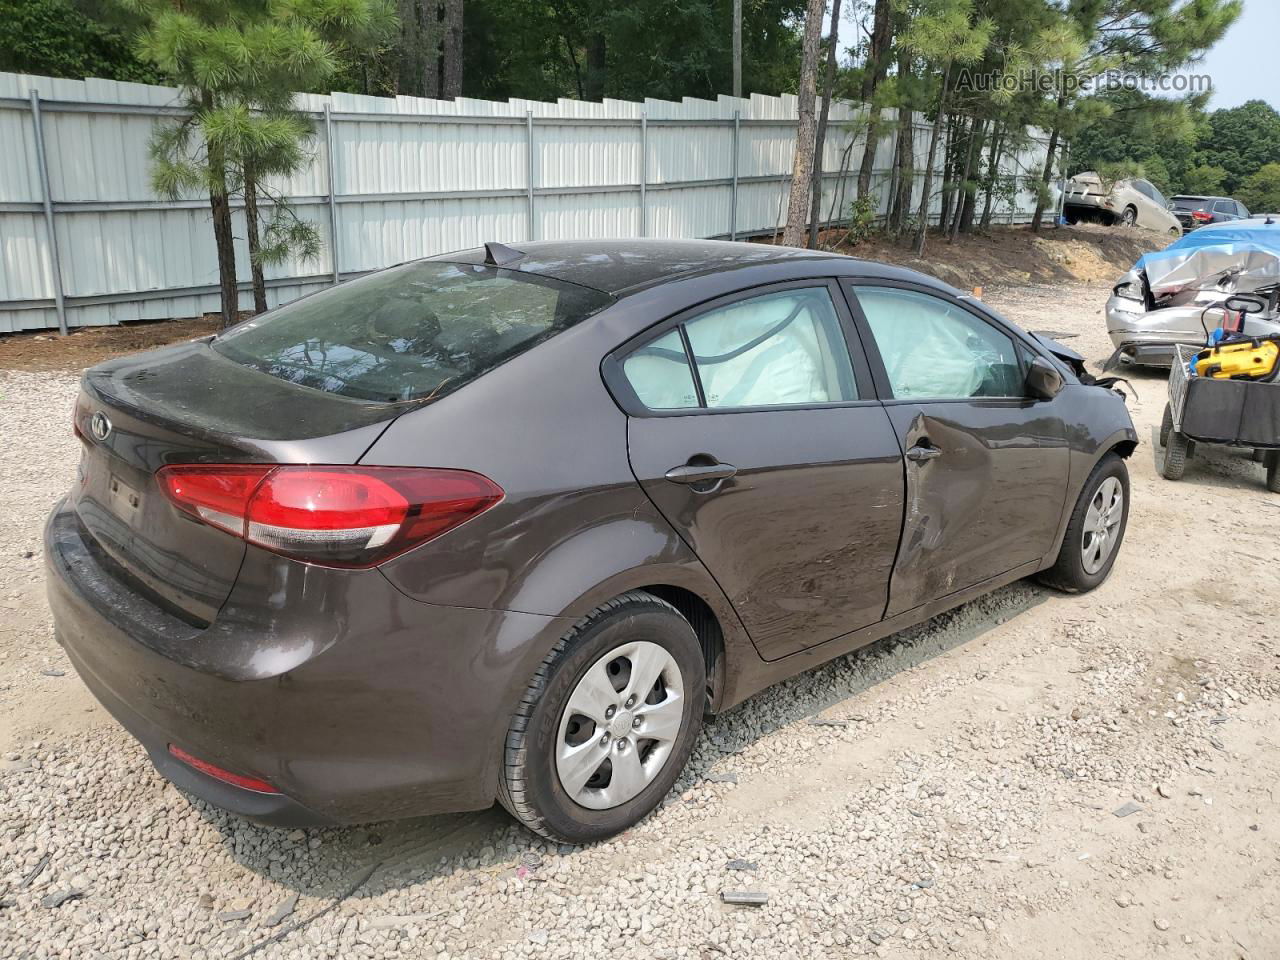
(452, 48)
(922, 228)
(251, 231)
(993, 174)
(950, 169)
(429, 41)
(904, 170)
(969, 207)
(828, 87)
(963, 201)
(220, 209)
(1042, 199)
(802, 169)
(877, 68)
(597, 68)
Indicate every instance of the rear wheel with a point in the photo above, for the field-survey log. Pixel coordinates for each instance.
(607, 723)
(1095, 531)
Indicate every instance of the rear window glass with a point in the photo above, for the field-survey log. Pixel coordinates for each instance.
(1189, 203)
(413, 332)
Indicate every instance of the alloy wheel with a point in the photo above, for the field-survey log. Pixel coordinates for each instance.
(620, 725)
(1101, 524)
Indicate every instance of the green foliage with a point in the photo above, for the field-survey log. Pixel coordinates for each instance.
(1260, 191)
(1176, 144)
(665, 49)
(54, 38)
(1241, 140)
(862, 220)
(1204, 179)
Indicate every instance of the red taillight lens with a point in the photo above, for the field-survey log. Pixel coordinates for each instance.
(226, 776)
(218, 495)
(338, 516)
(1201, 217)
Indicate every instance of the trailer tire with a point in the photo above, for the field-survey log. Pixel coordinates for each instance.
(1273, 471)
(1175, 456)
(1166, 425)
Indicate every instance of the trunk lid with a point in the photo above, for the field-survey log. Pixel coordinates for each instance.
(188, 404)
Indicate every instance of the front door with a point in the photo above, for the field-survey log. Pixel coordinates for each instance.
(986, 465)
(772, 459)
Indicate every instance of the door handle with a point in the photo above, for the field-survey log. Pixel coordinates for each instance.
(923, 454)
(691, 473)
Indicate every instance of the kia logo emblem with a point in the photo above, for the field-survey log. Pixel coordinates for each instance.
(100, 426)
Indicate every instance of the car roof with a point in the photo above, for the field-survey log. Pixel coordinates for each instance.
(623, 267)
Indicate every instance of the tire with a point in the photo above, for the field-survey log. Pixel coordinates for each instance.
(1176, 451)
(1166, 425)
(1129, 217)
(1074, 570)
(1259, 455)
(1176, 232)
(1273, 471)
(635, 628)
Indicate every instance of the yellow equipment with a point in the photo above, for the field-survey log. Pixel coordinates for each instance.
(1242, 360)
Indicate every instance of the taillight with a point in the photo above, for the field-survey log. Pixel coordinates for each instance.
(1201, 217)
(336, 516)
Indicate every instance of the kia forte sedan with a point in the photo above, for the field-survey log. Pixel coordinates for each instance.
(507, 524)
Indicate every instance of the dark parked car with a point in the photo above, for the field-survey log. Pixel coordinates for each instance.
(1193, 212)
(507, 524)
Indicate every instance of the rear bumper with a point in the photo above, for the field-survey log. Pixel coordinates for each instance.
(355, 701)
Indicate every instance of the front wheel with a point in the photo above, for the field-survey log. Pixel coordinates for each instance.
(1095, 531)
(607, 723)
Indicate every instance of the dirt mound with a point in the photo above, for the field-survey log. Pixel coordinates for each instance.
(1009, 256)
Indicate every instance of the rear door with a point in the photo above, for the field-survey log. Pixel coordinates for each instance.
(986, 471)
(770, 455)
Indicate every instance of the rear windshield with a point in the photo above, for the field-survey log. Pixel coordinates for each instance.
(413, 332)
(1191, 203)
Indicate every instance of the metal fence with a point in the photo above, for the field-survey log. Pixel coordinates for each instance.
(84, 240)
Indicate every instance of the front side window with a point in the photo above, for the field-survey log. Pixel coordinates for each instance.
(414, 332)
(1156, 195)
(934, 350)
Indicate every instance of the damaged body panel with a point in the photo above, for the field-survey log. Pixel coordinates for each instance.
(1175, 295)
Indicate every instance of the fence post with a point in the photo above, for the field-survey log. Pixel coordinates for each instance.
(733, 190)
(55, 261)
(331, 167)
(528, 126)
(644, 173)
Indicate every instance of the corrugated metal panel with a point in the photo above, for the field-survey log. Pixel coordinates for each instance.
(413, 177)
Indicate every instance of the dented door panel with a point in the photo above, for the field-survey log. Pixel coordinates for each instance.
(987, 502)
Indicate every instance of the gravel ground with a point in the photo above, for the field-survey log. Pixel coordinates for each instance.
(1031, 775)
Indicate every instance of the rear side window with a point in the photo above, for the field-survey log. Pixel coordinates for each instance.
(413, 332)
(779, 349)
(1224, 206)
(659, 374)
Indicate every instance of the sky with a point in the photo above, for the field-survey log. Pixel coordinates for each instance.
(1242, 65)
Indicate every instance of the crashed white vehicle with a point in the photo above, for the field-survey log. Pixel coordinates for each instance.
(1179, 294)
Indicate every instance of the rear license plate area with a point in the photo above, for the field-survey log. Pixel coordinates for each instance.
(123, 500)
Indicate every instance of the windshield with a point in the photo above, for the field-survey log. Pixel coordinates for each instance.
(409, 333)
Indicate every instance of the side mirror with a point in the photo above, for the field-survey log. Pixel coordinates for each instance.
(1044, 382)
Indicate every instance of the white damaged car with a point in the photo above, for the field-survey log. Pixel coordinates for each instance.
(1180, 294)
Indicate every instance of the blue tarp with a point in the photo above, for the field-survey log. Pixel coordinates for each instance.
(1248, 250)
